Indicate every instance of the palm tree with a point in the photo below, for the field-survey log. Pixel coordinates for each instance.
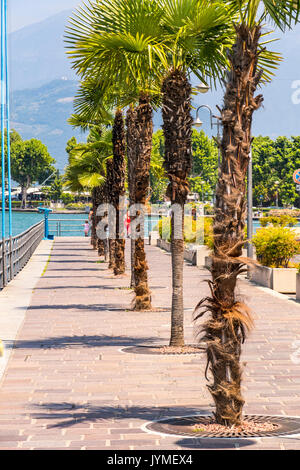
(230, 318)
(118, 190)
(197, 34)
(87, 167)
(131, 141)
(92, 112)
(117, 41)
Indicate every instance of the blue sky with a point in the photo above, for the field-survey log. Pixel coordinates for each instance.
(24, 12)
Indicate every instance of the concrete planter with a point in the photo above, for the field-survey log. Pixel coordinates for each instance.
(190, 255)
(279, 279)
(208, 262)
(198, 256)
(202, 252)
(164, 244)
(298, 286)
(153, 238)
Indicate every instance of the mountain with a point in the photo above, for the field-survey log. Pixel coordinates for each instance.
(42, 113)
(42, 100)
(22, 13)
(37, 53)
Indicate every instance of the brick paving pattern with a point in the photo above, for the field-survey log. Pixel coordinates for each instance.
(68, 384)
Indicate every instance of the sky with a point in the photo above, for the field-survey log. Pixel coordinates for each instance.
(24, 12)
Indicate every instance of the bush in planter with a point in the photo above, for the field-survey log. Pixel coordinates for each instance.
(77, 206)
(275, 246)
(193, 230)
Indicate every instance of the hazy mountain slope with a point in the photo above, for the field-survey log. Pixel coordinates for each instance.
(42, 113)
(24, 12)
(37, 53)
(41, 109)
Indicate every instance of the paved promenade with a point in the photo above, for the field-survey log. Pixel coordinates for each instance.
(69, 385)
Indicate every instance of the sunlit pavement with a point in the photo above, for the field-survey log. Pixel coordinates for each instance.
(68, 385)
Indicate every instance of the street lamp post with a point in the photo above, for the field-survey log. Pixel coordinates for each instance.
(3, 139)
(277, 183)
(217, 123)
(250, 208)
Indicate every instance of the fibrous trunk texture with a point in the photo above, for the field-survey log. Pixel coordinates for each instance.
(131, 164)
(177, 127)
(100, 199)
(93, 219)
(109, 188)
(118, 179)
(230, 318)
(144, 131)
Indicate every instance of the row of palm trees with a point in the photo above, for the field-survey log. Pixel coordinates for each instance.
(133, 56)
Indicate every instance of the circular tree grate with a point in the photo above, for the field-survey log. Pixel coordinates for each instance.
(163, 349)
(205, 427)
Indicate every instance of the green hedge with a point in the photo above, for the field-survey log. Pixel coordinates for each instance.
(275, 246)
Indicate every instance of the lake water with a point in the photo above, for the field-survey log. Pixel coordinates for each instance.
(71, 225)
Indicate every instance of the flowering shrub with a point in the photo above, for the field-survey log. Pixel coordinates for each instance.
(275, 246)
(195, 231)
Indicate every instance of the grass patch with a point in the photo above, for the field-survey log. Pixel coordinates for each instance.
(47, 264)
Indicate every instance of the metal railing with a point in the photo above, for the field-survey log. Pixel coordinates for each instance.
(16, 251)
(61, 227)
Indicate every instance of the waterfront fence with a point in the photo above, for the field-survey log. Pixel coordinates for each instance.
(64, 227)
(16, 251)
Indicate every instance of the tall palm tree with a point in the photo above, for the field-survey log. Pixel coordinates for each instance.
(230, 318)
(118, 190)
(197, 34)
(117, 41)
(87, 167)
(131, 141)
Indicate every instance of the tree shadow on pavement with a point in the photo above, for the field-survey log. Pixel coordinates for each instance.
(67, 415)
(94, 307)
(95, 341)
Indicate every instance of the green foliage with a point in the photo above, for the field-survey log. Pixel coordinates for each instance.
(275, 246)
(30, 162)
(67, 198)
(274, 162)
(204, 172)
(203, 178)
(78, 206)
(87, 162)
(55, 191)
(158, 178)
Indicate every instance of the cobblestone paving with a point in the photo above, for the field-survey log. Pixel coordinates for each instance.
(68, 384)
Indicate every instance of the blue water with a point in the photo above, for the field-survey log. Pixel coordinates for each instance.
(23, 220)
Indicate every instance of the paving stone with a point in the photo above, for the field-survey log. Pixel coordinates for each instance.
(68, 386)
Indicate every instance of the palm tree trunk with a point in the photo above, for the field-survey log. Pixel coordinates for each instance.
(100, 200)
(24, 189)
(119, 190)
(144, 131)
(109, 188)
(131, 138)
(177, 129)
(93, 219)
(230, 318)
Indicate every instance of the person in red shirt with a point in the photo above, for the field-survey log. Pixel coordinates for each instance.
(127, 223)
